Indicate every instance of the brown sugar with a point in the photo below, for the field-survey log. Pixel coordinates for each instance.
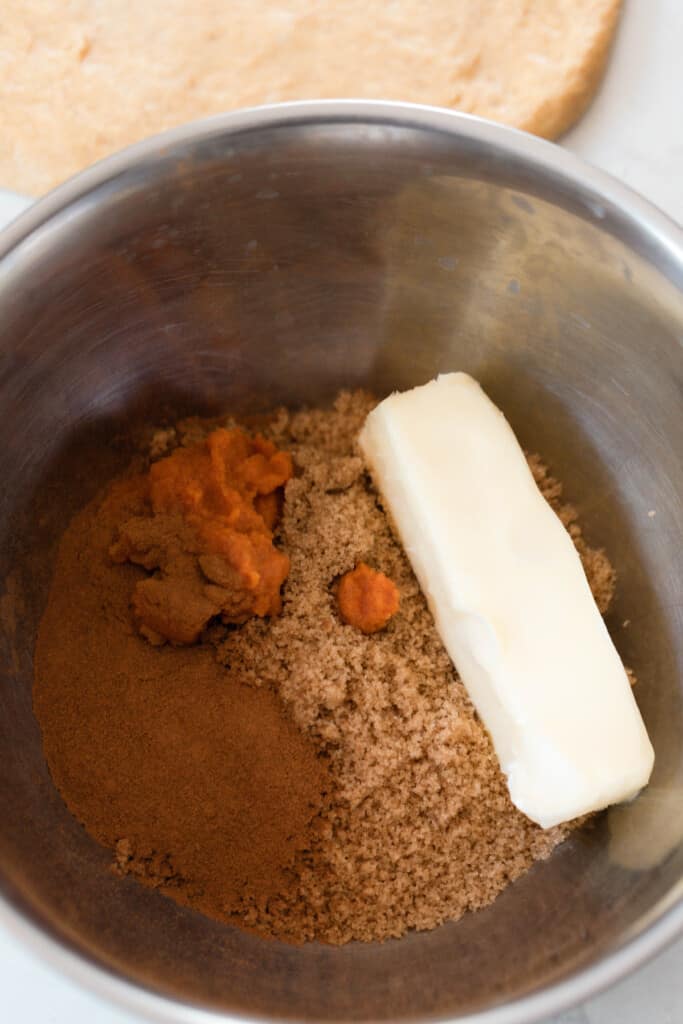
(411, 826)
(206, 525)
(420, 828)
(367, 599)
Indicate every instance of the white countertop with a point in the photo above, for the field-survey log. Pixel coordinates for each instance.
(634, 130)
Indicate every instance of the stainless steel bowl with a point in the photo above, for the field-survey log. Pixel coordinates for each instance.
(277, 255)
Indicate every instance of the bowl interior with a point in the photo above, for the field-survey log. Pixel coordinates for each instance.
(238, 269)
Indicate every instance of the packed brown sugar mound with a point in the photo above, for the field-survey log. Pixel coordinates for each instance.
(80, 80)
(292, 773)
(421, 827)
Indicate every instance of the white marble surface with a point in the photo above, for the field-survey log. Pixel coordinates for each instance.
(634, 130)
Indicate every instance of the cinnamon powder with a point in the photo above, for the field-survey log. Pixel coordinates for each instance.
(201, 784)
(292, 774)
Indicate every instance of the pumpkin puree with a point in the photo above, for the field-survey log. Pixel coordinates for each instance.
(367, 598)
(212, 509)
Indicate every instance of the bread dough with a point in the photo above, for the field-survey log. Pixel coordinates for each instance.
(79, 80)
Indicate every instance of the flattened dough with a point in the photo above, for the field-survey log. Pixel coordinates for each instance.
(81, 78)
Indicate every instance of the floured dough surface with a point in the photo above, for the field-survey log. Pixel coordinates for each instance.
(80, 79)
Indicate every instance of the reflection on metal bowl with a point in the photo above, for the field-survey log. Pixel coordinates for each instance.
(275, 256)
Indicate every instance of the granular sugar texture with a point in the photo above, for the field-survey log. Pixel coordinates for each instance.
(420, 828)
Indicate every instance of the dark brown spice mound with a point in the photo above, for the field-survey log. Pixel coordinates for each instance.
(201, 784)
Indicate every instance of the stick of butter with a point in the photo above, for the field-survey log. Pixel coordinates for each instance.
(510, 600)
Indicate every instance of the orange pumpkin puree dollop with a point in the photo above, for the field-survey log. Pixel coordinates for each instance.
(367, 598)
(206, 531)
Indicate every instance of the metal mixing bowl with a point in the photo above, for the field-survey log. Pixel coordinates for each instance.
(278, 255)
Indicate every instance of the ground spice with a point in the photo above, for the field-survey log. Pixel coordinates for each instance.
(200, 784)
(187, 767)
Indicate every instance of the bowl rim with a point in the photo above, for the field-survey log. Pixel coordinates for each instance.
(597, 191)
